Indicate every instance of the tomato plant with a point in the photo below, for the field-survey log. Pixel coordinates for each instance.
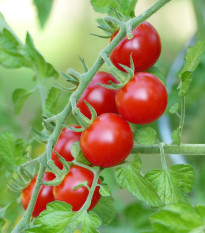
(63, 145)
(143, 99)
(145, 47)
(44, 197)
(67, 188)
(65, 191)
(108, 141)
(100, 98)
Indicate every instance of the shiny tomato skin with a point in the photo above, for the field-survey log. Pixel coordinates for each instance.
(145, 48)
(76, 198)
(101, 98)
(108, 141)
(143, 99)
(63, 145)
(44, 197)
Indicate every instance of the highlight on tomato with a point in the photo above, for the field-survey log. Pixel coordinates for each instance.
(63, 145)
(108, 141)
(76, 198)
(145, 47)
(143, 99)
(44, 197)
(100, 98)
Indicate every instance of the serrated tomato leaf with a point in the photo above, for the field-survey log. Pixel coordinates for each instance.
(125, 7)
(145, 136)
(192, 59)
(129, 176)
(105, 209)
(180, 218)
(172, 185)
(52, 101)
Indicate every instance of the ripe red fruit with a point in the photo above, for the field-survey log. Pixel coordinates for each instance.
(108, 141)
(143, 99)
(145, 48)
(76, 198)
(63, 145)
(100, 98)
(44, 197)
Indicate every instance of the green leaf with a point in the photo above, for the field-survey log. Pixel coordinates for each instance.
(52, 101)
(12, 51)
(44, 69)
(104, 190)
(172, 184)
(54, 219)
(145, 136)
(90, 222)
(129, 176)
(75, 149)
(105, 209)
(185, 83)
(174, 108)
(43, 9)
(125, 7)
(176, 136)
(157, 72)
(141, 213)
(178, 218)
(2, 223)
(19, 97)
(192, 60)
(7, 147)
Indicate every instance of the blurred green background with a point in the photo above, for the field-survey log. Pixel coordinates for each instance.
(65, 37)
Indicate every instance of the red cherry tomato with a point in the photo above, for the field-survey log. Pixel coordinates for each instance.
(63, 145)
(143, 99)
(44, 197)
(145, 48)
(101, 98)
(108, 141)
(76, 198)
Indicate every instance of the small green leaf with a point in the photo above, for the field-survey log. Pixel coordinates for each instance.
(19, 97)
(157, 72)
(176, 136)
(75, 149)
(104, 190)
(105, 209)
(52, 101)
(43, 10)
(173, 184)
(90, 222)
(145, 136)
(185, 83)
(54, 219)
(44, 69)
(81, 159)
(125, 7)
(174, 108)
(178, 218)
(192, 60)
(11, 51)
(129, 176)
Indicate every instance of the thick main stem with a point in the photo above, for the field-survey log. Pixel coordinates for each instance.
(183, 149)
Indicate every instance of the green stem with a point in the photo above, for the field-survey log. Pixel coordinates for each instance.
(23, 224)
(181, 124)
(183, 149)
(163, 158)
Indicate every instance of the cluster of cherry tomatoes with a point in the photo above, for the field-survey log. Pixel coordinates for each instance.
(109, 139)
